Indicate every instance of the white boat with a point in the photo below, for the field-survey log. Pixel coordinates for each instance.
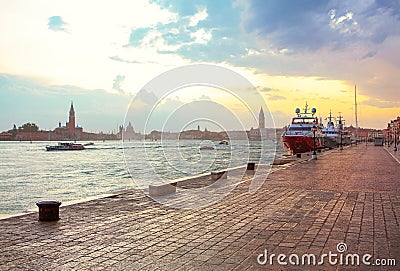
(66, 147)
(335, 135)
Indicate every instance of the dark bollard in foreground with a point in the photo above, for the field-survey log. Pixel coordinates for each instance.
(298, 155)
(251, 166)
(48, 210)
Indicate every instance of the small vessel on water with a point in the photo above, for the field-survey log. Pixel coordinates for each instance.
(223, 142)
(206, 148)
(299, 136)
(65, 147)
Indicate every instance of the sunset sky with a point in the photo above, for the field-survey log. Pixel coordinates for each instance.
(101, 53)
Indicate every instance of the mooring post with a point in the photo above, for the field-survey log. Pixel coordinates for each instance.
(251, 166)
(49, 210)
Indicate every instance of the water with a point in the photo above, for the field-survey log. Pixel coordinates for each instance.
(29, 174)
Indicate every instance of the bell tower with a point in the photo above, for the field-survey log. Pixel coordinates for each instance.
(261, 119)
(71, 123)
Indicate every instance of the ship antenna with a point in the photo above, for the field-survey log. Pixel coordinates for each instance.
(355, 109)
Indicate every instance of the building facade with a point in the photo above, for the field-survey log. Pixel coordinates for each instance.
(70, 130)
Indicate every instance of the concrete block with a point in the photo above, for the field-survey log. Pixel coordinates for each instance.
(161, 190)
(216, 175)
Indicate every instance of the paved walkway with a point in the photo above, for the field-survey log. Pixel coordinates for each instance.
(350, 196)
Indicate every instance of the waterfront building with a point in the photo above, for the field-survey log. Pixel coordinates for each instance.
(261, 131)
(70, 130)
(261, 119)
(129, 132)
(392, 133)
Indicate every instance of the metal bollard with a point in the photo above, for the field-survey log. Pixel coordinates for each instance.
(48, 210)
(251, 166)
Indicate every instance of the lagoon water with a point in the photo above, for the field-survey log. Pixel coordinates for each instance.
(29, 173)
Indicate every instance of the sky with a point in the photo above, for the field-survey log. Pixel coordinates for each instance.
(101, 54)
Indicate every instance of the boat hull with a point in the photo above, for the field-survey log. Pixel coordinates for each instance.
(331, 142)
(300, 144)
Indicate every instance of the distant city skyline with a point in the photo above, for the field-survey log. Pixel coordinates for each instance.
(100, 54)
(113, 127)
(71, 125)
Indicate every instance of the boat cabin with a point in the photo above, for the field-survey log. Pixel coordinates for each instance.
(305, 120)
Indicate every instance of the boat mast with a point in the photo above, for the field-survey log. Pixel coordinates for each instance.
(340, 122)
(355, 109)
(305, 109)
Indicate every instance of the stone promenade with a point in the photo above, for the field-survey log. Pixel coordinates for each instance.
(350, 197)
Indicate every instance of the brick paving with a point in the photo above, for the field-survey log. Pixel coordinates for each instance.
(350, 196)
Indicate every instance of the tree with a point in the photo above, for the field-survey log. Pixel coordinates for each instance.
(28, 127)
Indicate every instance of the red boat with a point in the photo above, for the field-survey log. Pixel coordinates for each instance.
(299, 137)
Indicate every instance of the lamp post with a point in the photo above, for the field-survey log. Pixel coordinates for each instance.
(395, 139)
(314, 154)
(341, 139)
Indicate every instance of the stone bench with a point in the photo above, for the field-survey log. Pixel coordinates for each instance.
(216, 175)
(161, 190)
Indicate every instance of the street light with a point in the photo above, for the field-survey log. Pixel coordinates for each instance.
(341, 139)
(314, 154)
(395, 139)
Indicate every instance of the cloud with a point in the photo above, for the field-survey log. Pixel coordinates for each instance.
(171, 37)
(83, 56)
(264, 89)
(346, 41)
(199, 16)
(287, 24)
(201, 36)
(205, 97)
(269, 93)
(22, 100)
(276, 97)
(207, 33)
(56, 23)
(118, 82)
(370, 54)
(381, 103)
(137, 35)
(307, 25)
